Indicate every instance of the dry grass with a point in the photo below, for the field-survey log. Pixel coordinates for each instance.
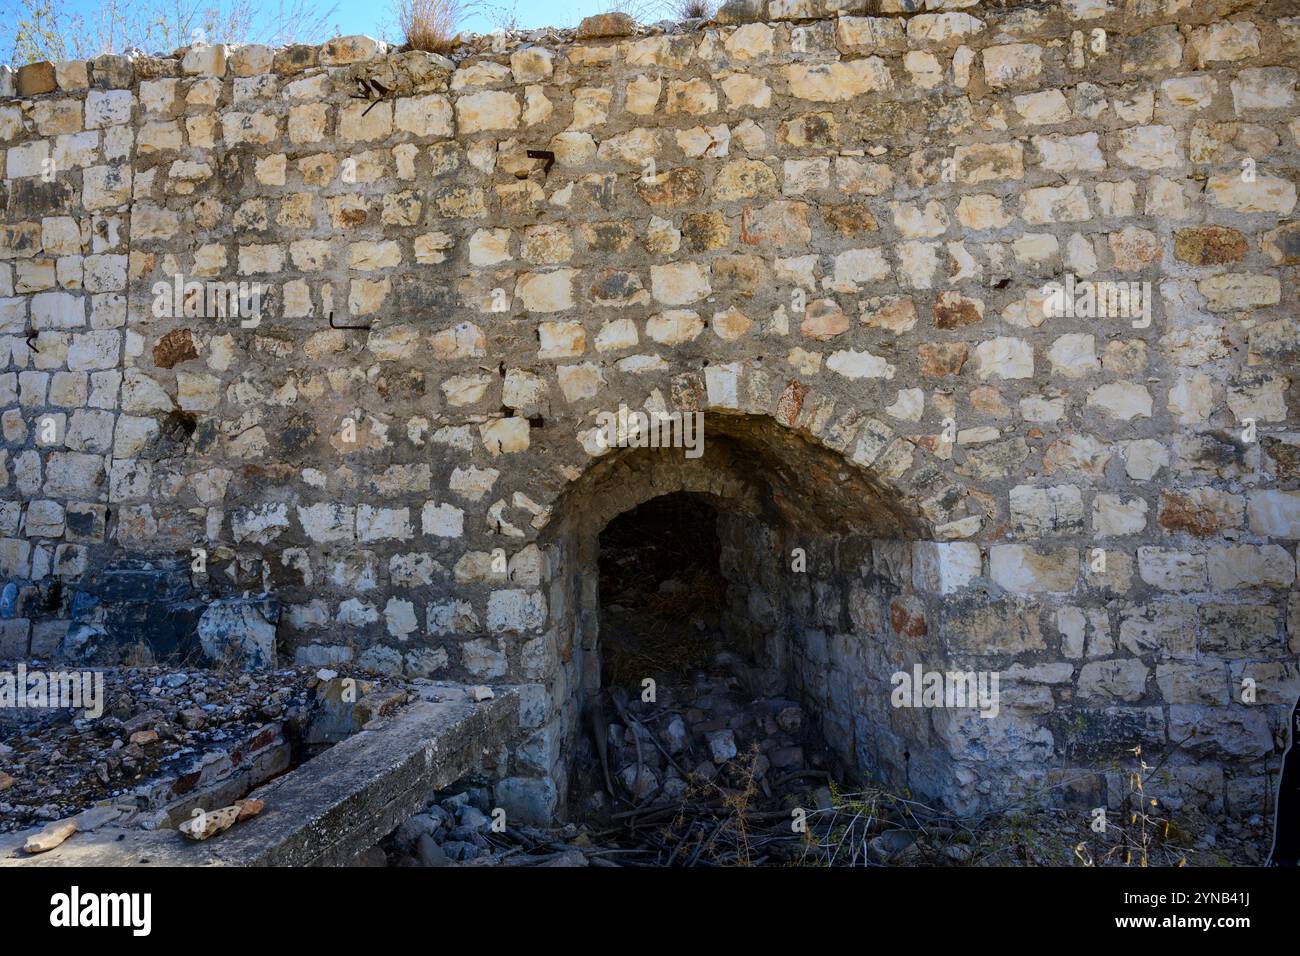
(642, 11)
(738, 802)
(1028, 832)
(1142, 834)
(138, 654)
(672, 652)
(694, 9)
(700, 590)
(429, 25)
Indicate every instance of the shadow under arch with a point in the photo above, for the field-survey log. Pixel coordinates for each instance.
(764, 466)
(778, 493)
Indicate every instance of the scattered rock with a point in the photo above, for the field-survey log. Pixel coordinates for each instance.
(675, 735)
(51, 836)
(249, 809)
(889, 844)
(206, 824)
(429, 852)
(790, 719)
(158, 727)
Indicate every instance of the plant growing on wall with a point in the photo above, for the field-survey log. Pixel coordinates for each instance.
(429, 25)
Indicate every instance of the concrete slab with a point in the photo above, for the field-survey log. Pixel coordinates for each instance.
(111, 846)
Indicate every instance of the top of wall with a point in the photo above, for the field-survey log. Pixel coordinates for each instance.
(917, 23)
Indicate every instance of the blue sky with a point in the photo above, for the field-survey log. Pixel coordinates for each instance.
(378, 17)
(362, 17)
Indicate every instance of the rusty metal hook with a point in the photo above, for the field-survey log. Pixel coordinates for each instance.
(357, 327)
(545, 154)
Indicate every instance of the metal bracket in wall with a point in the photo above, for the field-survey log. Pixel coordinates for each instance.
(545, 154)
(371, 89)
(30, 345)
(358, 327)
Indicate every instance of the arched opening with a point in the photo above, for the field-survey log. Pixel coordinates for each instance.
(687, 670)
(661, 592)
(756, 587)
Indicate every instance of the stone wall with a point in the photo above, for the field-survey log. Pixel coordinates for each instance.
(831, 223)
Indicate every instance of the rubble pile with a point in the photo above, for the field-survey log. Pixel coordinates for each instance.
(453, 829)
(710, 735)
(158, 724)
(463, 829)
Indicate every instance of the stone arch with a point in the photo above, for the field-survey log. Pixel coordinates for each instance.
(914, 474)
(776, 486)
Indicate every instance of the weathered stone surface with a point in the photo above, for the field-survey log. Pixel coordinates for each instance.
(1122, 680)
(990, 629)
(241, 631)
(1210, 245)
(945, 568)
(1026, 570)
(606, 25)
(36, 78)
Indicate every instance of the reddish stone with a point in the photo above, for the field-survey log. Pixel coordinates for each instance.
(351, 217)
(565, 648)
(907, 621)
(1184, 512)
(824, 320)
(173, 348)
(941, 358)
(850, 219)
(952, 311)
(1210, 245)
(184, 784)
(36, 78)
(688, 392)
(776, 224)
(987, 400)
(248, 809)
(264, 739)
(790, 402)
(676, 187)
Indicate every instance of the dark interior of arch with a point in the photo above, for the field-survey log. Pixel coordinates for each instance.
(684, 575)
(661, 591)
